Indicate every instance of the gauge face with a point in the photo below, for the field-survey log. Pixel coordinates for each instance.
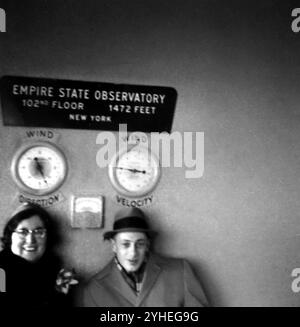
(39, 168)
(134, 172)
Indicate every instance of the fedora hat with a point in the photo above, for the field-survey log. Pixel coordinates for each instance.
(129, 220)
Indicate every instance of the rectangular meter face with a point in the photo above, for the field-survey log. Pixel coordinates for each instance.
(87, 212)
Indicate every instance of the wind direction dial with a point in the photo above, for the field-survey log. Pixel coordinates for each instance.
(39, 168)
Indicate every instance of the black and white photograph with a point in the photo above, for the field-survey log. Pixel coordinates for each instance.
(149, 156)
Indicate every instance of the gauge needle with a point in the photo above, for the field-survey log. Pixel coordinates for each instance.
(39, 167)
(133, 170)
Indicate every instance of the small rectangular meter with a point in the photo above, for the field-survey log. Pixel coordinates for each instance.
(87, 211)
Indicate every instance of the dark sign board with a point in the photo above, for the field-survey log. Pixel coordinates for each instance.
(40, 102)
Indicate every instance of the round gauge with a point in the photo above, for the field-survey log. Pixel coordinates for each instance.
(134, 171)
(39, 168)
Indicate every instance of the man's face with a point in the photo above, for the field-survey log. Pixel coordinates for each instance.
(130, 249)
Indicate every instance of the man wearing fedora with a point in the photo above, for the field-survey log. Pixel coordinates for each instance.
(136, 276)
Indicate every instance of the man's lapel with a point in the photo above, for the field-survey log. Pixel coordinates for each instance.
(120, 286)
(151, 273)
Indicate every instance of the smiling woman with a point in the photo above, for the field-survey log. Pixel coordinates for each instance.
(32, 270)
(29, 239)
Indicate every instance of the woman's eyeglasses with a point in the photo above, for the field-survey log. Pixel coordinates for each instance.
(38, 232)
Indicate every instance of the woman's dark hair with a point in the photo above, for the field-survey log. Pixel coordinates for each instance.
(26, 213)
